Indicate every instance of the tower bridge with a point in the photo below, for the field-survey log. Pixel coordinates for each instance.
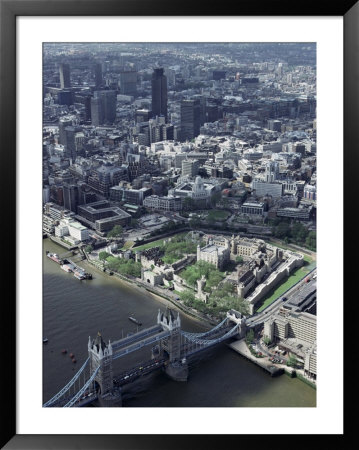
(171, 348)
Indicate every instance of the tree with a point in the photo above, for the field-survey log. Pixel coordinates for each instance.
(188, 204)
(115, 232)
(188, 297)
(282, 230)
(299, 232)
(250, 336)
(103, 255)
(88, 248)
(239, 259)
(216, 198)
(266, 340)
(311, 240)
(292, 361)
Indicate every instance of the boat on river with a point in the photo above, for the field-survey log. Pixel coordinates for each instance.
(134, 320)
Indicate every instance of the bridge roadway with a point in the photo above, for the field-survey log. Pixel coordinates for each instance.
(120, 380)
(138, 371)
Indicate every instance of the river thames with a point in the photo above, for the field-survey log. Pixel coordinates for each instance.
(73, 310)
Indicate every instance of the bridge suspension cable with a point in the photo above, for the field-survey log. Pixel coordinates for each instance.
(67, 387)
(206, 333)
(206, 342)
(82, 390)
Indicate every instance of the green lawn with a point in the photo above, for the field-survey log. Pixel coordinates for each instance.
(279, 290)
(218, 214)
(127, 245)
(157, 243)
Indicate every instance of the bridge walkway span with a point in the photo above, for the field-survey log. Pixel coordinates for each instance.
(142, 343)
(116, 345)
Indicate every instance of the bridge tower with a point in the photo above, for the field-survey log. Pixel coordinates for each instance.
(100, 355)
(177, 367)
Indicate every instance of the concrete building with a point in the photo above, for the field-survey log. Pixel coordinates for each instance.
(101, 216)
(262, 188)
(72, 229)
(252, 208)
(169, 203)
(190, 167)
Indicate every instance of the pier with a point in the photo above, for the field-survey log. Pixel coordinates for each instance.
(240, 347)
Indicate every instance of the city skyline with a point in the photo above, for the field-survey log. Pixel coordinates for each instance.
(189, 170)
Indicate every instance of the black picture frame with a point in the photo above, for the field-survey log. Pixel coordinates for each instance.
(9, 10)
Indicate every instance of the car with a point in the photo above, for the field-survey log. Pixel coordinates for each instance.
(284, 299)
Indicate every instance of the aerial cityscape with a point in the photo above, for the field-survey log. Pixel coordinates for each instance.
(179, 224)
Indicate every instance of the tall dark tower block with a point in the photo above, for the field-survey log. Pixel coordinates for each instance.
(98, 75)
(190, 119)
(159, 93)
(64, 70)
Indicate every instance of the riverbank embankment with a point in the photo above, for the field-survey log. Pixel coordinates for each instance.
(240, 347)
(163, 297)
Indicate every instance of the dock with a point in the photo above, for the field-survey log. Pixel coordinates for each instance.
(240, 347)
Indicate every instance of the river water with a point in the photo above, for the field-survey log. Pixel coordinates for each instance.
(73, 310)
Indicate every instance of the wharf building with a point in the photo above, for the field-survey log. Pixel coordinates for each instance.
(101, 216)
(295, 332)
(74, 231)
(159, 93)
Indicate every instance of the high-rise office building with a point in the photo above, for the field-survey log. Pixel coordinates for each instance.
(64, 70)
(159, 93)
(71, 142)
(103, 107)
(98, 75)
(190, 119)
(128, 82)
(63, 123)
(97, 117)
(71, 196)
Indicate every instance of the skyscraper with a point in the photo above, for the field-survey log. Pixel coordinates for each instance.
(103, 107)
(159, 93)
(98, 75)
(128, 82)
(96, 112)
(71, 196)
(64, 70)
(190, 119)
